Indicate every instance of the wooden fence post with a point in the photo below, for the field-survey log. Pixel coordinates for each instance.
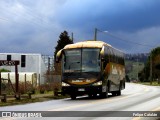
(32, 82)
(0, 84)
(29, 94)
(39, 79)
(5, 98)
(25, 82)
(8, 79)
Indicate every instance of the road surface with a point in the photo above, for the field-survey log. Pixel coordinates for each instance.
(135, 97)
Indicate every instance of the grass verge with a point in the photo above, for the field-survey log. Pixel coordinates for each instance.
(148, 83)
(35, 98)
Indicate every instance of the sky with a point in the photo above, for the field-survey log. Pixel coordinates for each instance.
(34, 26)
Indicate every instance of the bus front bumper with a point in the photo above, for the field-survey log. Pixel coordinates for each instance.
(81, 90)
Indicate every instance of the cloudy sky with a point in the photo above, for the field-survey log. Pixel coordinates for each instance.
(34, 26)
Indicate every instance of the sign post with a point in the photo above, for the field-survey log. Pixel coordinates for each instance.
(11, 63)
(17, 78)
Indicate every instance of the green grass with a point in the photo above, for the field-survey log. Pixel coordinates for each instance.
(154, 83)
(35, 98)
(17, 102)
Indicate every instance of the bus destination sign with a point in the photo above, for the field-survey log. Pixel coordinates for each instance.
(9, 63)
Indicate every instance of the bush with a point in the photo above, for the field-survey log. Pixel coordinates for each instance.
(28, 88)
(56, 86)
(50, 87)
(4, 70)
(42, 89)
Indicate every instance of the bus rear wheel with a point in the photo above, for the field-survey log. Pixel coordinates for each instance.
(114, 93)
(119, 92)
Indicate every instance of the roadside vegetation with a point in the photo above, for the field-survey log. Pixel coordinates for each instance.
(4, 70)
(154, 83)
(41, 93)
(151, 71)
(37, 97)
(147, 73)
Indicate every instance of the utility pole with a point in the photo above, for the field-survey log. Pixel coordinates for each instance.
(151, 68)
(48, 65)
(95, 34)
(137, 69)
(72, 36)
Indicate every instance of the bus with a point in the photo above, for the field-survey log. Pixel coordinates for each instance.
(91, 68)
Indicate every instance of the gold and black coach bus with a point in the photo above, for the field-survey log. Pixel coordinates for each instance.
(91, 67)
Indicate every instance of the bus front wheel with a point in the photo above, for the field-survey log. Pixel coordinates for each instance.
(104, 94)
(73, 97)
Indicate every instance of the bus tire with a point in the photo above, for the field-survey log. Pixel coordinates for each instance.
(92, 95)
(73, 97)
(114, 93)
(124, 85)
(119, 91)
(104, 94)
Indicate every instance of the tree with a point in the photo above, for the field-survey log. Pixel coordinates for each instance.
(64, 39)
(4, 70)
(158, 66)
(127, 78)
(155, 56)
(155, 62)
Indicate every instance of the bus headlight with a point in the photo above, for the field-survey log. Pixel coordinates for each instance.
(97, 83)
(65, 84)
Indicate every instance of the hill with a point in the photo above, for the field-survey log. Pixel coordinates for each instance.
(134, 63)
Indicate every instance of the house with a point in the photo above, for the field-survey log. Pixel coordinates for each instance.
(28, 63)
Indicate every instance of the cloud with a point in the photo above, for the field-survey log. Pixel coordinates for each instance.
(120, 15)
(28, 28)
(147, 39)
(35, 25)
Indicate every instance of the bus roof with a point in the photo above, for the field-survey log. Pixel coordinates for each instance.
(87, 44)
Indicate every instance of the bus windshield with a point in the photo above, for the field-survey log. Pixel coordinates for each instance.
(82, 60)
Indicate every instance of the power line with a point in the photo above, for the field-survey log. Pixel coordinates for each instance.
(129, 41)
(26, 18)
(30, 11)
(3, 19)
(38, 17)
(33, 22)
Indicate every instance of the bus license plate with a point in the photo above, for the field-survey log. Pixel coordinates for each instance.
(81, 89)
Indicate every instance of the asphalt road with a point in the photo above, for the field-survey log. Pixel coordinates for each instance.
(134, 98)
